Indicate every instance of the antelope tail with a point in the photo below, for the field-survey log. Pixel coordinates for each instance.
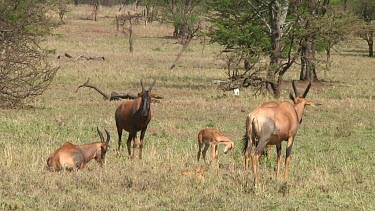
(246, 137)
(245, 141)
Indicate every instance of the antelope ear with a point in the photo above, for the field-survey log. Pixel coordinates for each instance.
(315, 104)
(291, 97)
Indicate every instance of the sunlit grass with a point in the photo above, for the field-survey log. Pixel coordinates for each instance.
(333, 161)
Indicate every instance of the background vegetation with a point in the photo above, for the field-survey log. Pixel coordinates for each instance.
(24, 67)
(332, 165)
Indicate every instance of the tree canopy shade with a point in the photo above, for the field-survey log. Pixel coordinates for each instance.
(280, 31)
(257, 29)
(24, 69)
(365, 10)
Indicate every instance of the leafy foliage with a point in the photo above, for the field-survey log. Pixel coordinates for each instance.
(280, 30)
(235, 26)
(365, 11)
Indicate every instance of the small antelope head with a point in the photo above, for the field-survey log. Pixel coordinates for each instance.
(146, 99)
(228, 147)
(104, 146)
(297, 99)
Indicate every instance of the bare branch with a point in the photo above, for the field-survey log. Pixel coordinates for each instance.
(86, 84)
(90, 57)
(115, 95)
(256, 11)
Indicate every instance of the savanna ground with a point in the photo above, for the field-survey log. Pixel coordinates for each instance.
(332, 165)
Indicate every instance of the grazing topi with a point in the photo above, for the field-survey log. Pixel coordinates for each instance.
(272, 124)
(213, 137)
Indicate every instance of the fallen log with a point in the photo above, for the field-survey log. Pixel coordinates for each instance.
(116, 95)
(81, 57)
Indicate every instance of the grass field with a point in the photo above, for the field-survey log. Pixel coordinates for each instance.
(333, 162)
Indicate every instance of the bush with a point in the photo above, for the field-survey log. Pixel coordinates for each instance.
(24, 69)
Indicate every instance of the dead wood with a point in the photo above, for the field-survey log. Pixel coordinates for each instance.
(117, 95)
(81, 57)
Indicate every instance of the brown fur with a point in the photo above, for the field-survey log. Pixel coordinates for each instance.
(270, 124)
(133, 116)
(199, 171)
(212, 137)
(75, 157)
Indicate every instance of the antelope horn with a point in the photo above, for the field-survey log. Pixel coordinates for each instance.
(291, 96)
(143, 89)
(307, 90)
(100, 134)
(152, 85)
(108, 136)
(295, 89)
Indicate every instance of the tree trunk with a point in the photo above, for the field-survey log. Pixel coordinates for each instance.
(131, 49)
(370, 43)
(328, 60)
(308, 68)
(276, 87)
(304, 61)
(184, 47)
(175, 32)
(312, 67)
(278, 13)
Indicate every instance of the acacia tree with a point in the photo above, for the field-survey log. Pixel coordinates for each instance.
(280, 30)
(324, 24)
(186, 17)
(258, 28)
(24, 69)
(182, 14)
(310, 20)
(365, 10)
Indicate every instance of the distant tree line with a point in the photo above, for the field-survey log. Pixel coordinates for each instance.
(103, 2)
(261, 40)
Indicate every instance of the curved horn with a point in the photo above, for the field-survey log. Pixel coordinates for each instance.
(152, 85)
(143, 89)
(295, 89)
(291, 96)
(100, 134)
(307, 90)
(108, 136)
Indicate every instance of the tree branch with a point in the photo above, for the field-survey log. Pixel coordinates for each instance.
(86, 84)
(115, 95)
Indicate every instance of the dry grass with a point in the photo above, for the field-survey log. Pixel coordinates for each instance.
(333, 160)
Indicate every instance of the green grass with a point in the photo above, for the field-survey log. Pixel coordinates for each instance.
(333, 161)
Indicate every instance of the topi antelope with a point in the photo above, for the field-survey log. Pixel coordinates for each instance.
(133, 116)
(75, 157)
(272, 124)
(213, 137)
